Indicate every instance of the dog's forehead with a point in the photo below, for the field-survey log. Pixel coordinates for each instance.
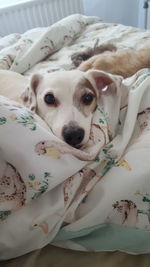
(63, 79)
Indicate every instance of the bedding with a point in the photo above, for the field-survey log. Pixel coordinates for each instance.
(93, 200)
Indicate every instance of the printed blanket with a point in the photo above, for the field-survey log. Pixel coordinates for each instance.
(92, 200)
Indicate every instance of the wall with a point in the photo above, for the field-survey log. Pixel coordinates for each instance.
(8, 2)
(117, 11)
(142, 15)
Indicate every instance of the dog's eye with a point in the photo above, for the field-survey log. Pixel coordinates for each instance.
(50, 99)
(87, 98)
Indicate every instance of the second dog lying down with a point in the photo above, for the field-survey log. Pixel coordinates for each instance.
(124, 62)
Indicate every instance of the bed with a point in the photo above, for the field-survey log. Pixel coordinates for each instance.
(44, 50)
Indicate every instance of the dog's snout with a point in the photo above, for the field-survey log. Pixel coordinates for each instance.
(73, 135)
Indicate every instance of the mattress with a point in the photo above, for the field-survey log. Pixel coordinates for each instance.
(53, 256)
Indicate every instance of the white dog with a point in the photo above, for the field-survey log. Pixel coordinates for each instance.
(65, 100)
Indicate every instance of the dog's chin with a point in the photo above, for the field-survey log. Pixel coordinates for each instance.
(82, 146)
(78, 146)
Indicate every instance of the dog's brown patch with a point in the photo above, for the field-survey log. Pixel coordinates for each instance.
(82, 88)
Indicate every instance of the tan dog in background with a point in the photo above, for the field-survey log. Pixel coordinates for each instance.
(124, 62)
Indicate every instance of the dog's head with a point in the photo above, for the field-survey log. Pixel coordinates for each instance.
(66, 101)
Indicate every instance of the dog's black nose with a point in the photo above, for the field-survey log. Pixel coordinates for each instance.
(73, 135)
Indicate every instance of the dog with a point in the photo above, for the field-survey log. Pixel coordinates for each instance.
(65, 100)
(78, 57)
(124, 62)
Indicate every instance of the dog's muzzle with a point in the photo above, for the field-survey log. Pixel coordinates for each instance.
(73, 135)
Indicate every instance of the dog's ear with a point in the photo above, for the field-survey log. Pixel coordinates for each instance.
(103, 82)
(28, 97)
